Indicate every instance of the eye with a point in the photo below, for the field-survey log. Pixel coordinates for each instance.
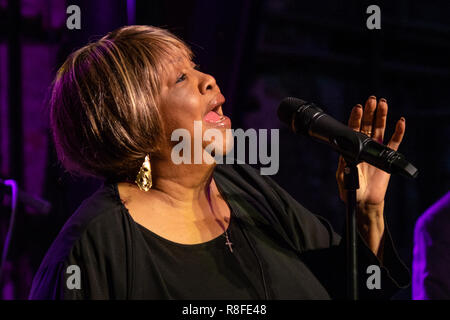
(181, 78)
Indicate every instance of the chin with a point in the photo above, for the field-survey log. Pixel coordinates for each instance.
(219, 149)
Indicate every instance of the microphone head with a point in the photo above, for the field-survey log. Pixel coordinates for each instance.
(287, 108)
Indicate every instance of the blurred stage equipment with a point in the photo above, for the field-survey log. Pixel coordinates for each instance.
(18, 196)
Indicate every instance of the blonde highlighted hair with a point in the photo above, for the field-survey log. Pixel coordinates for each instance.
(104, 111)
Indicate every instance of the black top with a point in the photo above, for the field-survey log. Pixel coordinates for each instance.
(209, 270)
(280, 251)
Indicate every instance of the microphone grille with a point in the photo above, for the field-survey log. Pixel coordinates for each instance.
(287, 108)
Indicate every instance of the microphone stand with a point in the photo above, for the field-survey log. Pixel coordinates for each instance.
(351, 184)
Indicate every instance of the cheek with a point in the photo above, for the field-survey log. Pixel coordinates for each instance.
(180, 107)
(179, 118)
(182, 110)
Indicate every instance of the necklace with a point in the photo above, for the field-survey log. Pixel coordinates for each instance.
(228, 242)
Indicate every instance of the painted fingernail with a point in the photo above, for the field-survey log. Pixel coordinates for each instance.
(358, 106)
(373, 97)
(402, 119)
(383, 100)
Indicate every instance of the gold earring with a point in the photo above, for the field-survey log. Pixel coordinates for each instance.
(144, 177)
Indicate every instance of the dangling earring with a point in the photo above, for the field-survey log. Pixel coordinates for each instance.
(144, 177)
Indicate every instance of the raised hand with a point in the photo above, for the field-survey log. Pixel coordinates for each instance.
(373, 182)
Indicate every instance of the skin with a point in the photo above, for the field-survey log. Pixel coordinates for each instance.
(184, 204)
(373, 181)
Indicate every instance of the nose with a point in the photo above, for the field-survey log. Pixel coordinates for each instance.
(207, 83)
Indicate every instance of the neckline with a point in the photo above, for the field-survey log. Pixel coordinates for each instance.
(188, 245)
(200, 244)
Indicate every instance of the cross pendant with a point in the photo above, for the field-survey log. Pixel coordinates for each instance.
(228, 243)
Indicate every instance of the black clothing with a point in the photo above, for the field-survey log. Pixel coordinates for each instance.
(280, 251)
(208, 269)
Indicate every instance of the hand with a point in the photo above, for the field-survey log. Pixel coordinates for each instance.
(373, 182)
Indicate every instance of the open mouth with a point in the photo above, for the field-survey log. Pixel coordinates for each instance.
(215, 115)
(218, 110)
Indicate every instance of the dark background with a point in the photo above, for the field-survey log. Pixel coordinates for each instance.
(259, 52)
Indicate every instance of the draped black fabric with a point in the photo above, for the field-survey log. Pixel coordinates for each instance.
(280, 251)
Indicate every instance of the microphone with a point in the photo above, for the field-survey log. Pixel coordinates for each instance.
(308, 119)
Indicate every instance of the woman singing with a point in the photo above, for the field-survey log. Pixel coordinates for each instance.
(161, 230)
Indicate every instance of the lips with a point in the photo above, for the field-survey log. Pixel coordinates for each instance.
(214, 112)
(216, 103)
(214, 116)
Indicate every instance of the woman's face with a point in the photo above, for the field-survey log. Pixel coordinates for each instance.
(188, 95)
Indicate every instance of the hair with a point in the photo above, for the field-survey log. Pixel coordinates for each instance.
(104, 113)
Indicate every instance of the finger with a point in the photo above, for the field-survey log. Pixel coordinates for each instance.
(341, 166)
(340, 177)
(354, 121)
(380, 120)
(397, 137)
(369, 111)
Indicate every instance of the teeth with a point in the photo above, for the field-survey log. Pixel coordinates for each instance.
(217, 110)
